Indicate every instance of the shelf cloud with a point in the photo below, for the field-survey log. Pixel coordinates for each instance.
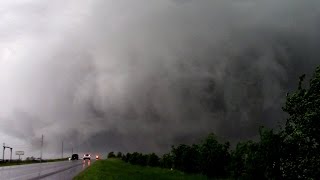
(144, 75)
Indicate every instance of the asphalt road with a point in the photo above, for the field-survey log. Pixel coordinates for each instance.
(63, 170)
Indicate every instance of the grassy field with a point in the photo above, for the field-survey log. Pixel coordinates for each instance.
(117, 169)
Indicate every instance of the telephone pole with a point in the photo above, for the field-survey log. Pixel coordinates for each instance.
(10, 154)
(41, 148)
(62, 149)
(4, 148)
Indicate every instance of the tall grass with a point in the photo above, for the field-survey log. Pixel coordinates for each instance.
(117, 169)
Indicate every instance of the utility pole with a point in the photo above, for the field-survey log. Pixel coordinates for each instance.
(62, 149)
(10, 154)
(71, 150)
(4, 148)
(41, 148)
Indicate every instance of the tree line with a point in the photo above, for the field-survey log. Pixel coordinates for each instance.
(292, 152)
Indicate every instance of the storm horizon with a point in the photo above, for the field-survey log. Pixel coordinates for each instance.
(143, 75)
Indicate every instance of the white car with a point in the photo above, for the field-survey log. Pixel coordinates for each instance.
(86, 156)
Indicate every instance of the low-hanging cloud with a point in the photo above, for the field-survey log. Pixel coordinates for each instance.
(144, 75)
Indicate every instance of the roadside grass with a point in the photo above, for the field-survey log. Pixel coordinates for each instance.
(116, 169)
(15, 162)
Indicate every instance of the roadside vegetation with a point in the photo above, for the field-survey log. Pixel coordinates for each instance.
(113, 168)
(28, 161)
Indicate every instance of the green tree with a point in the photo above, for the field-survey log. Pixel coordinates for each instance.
(119, 155)
(270, 149)
(257, 160)
(153, 160)
(186, 158)
(134, 158)
(111, 155)
(214, 157)
(126, 157)
(179, 156)
(167, 161)
(239, 159)
(302, 131)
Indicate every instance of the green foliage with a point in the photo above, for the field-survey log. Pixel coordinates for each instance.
(257, 160)
(214, 157)
(186, 158)
(270, 150)
(209, 157)
(142, 159)
(119, 155)
(302, 131)
(166, 161)
(138, 159)
(153, 160)
(111, 155)
(126, 157)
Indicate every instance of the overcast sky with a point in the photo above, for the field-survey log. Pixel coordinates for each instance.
(143, 75)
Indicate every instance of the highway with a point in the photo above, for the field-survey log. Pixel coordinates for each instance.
(62, 170)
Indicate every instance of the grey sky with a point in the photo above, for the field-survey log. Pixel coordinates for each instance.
(134, 75)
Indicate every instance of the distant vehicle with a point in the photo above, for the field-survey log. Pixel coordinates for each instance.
(97, 157)
(75, 157)
(86, 156)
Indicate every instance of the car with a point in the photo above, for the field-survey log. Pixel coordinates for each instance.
(97, 157)
(75, 157)
(86, 156)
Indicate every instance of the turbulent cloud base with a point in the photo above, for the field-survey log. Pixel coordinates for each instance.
(143, 75)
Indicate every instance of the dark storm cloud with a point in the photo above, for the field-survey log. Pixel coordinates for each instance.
(143, 75)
